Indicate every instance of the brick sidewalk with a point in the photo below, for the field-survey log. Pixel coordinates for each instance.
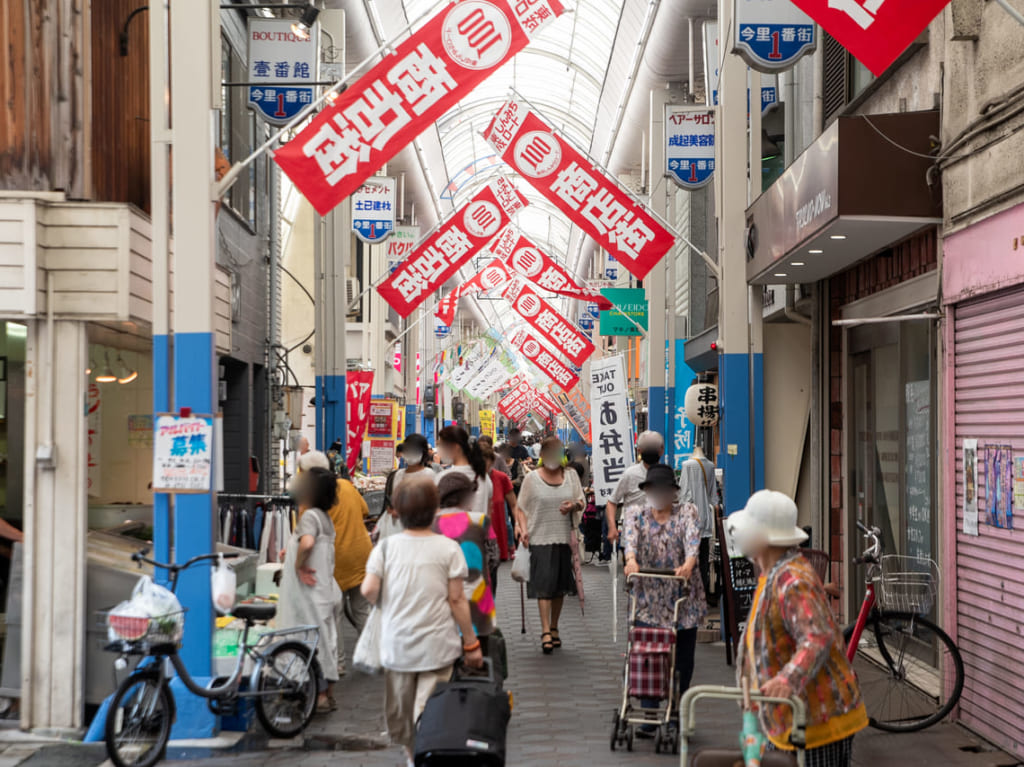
(563, 707)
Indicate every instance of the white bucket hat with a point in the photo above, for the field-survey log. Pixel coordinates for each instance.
(770, 517)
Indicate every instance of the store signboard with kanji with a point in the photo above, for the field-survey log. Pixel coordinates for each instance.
(610, 424)
(689, 145)
(547, 362)
(373, 209)
(280, 62)
(456, 241)
(401, 243)
(772, 35)
(382, 417)
(487, 426)
(588, 196)
(876, 32)
(408, 91)
(712, 56)
(182, 454)
(546, 320)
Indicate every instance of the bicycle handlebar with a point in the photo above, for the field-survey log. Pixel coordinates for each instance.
(140, 557)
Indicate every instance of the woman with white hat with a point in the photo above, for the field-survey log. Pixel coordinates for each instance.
(792, 645)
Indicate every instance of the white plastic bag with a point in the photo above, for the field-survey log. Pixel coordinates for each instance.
(148, 601)
(521, 565)
(154, 600)
(366, 657)
(222, 587)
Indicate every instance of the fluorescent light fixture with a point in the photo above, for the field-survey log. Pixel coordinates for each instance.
(780, 274)
(305, 23)
(815, 251)
(837, 236)
(796, 263)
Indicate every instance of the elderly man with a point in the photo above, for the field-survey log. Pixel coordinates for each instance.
(651, 446)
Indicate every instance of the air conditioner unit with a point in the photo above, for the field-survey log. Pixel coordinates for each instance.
(352, 291)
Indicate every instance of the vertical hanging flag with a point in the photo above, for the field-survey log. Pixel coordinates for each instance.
(690, 145)
(407, 92)
(550, 365)
(772, 35)
(493, 275)
(452, 244)
(357, 412)
(562, 334)
(612, 431)
(590, 198)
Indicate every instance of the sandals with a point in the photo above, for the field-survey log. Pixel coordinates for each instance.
(556, 642)
(547, 645)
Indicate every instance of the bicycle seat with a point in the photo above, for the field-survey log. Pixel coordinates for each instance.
(255, 612)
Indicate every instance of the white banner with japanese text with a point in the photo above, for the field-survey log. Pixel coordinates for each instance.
(611, 426)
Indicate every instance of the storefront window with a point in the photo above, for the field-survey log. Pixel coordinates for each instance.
(892, 434)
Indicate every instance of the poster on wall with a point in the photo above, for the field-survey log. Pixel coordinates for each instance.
(140, 431)
(382, 455)
(999, 486)
(1018, 484)
(381, 415)
(182, 454)
(95, 438)
(970, 487)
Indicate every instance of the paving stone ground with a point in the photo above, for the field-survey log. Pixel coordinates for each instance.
(563, 707)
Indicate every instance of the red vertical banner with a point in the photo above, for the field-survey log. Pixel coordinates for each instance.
(407, 92)
(548, 363)
(494, 275)
(357, 412)
(455, 242)
(546, 320)
(588, 196)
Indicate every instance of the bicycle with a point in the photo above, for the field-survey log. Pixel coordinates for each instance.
(283, 682)
(910, 672)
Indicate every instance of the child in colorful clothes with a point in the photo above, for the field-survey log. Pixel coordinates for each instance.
(792, 645)
(475, 535)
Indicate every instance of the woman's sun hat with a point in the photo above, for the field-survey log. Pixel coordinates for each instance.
(661, 476)
(769, 516)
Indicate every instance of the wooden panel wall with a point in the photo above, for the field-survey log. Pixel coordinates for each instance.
(43, 103)
(120, 104)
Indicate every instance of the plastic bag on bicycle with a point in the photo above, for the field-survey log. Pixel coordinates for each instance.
(149, 600)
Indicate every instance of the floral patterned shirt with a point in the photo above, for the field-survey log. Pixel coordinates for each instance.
(666, 545)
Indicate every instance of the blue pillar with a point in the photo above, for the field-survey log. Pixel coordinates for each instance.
(428, 429)
(334, 411)
(735, 431)
(193, 535)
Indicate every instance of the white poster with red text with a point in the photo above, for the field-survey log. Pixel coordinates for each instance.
(589, 197)
(406, 93)
(456, 241)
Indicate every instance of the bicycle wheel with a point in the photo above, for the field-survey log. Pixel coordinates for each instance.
(910, 672)
(139, 720)
(287, 690)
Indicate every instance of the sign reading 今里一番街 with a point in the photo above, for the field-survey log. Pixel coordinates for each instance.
(280, 63)
(182, 454)
(712, 55)
(373, 210)
(627, 303)
(771, 35)
(689, 145)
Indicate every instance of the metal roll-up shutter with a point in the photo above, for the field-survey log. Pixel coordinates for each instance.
(989, 407)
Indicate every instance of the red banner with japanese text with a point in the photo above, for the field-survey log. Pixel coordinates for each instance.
(452, 244)
(546, 320)
(589, 197)
(493, 275)
(358, 384)
(876, 32)
(547, 362)
(406, 93)
(513, 404)
(523, 257)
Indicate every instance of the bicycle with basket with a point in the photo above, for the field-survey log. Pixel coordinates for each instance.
(282, 682)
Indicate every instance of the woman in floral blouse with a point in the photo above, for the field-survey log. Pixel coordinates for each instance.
(792, 644)
(664, 534)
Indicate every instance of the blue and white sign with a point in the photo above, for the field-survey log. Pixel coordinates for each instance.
(769, 94)
(440, 329)
(683, 432)
(689, 145)
(611, 268)
(771, 35)
(281, 63)
(373, 209)
(587, 322)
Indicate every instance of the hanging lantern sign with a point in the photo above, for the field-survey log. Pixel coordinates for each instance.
(702, 407)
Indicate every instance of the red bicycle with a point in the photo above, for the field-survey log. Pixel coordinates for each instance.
(910, 672)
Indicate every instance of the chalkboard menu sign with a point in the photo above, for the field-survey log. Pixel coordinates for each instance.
(739, 578)
(744, 584)
(918, 472)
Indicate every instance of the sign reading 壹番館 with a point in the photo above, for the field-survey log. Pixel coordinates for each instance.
(182, 454)
(772, 35)
(425, 75)
(611, 429)
(373, 209)
(401, 244)
(627, 303)
(690, 145)
(876, 32)
(769, 94)
(280, 62)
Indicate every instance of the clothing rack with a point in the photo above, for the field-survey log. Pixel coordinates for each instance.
(256, 522)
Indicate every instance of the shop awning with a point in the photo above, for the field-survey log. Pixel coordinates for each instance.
(861, 187)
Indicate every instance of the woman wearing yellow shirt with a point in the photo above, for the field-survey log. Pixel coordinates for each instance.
(792, 644)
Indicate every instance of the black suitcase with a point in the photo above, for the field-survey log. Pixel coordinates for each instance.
(464, 722)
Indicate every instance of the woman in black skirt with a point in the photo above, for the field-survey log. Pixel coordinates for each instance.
(548, 501)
